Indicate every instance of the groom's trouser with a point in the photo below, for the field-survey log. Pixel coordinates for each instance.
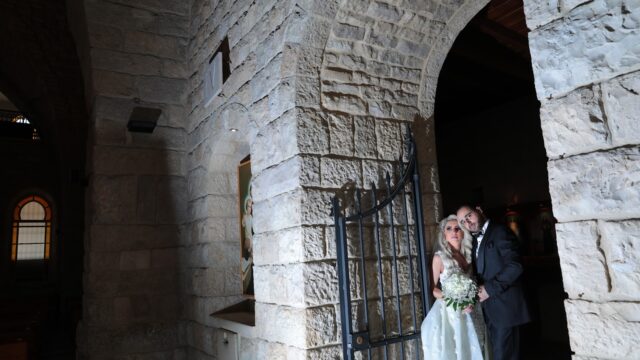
(505, 342)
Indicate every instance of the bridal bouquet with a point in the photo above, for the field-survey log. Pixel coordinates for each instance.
(459, 291)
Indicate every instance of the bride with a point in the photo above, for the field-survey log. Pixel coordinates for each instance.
(448, 333)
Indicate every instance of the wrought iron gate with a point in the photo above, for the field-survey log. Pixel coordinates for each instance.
(382, 268)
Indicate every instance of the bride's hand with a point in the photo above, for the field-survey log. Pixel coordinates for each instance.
(468, 309)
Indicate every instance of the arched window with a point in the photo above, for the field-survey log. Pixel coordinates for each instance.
(31, 239)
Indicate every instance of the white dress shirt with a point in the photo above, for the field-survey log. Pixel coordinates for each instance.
(479, 238)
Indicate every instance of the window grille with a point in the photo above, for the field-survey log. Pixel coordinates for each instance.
(31, 233)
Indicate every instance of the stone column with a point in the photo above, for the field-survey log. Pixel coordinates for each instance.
(586, 61)
(135, 56)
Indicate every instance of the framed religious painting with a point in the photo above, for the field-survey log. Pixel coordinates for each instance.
(246, 225)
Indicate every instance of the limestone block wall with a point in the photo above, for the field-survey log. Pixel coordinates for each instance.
(133, 54)
(259, 101)
(319, 93)
(378, 72)
(586, 61)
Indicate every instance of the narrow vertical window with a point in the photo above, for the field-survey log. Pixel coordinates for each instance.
(31, 233)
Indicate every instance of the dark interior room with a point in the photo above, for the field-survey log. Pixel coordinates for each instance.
(491, 154)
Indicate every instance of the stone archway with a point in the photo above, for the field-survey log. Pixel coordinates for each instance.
(491, 154)
(329, 84)
(359, 109)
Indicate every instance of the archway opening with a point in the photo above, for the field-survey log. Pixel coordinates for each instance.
(491, 153)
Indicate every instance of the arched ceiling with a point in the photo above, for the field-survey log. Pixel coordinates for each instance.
(40, 72)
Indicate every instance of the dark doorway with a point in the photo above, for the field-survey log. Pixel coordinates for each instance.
(491, 153)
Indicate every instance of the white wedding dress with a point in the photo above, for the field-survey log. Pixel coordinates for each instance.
(448, 334)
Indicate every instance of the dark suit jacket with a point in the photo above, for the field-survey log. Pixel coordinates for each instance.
(499, 269)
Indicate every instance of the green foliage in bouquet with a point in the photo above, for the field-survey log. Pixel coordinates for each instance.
(459, 291)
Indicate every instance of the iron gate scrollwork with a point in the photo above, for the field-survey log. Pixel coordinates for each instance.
(382, 268)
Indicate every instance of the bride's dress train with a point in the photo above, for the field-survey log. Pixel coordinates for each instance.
(448, 334)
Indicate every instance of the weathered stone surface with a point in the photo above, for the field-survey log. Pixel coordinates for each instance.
(201, 183)
(606, 331)
(288, 206)
(316, 207)
(365, 137)
(164, 258)
(205, 230)
(389, 140)
(341, 87)
(275, 140)
(578, 246)
(278, 179)
(162, 46)
(385, 11)
(337, 75)
(105, 36)
(596, 186)
(146, 281)
(580, 112)
(321, 326)
(116, 238)
(171, 200)
(293, 245)
(346, 103)
(307, 29)
(621, 244)
(213, 206)
(320, 284)
(622, 104)
(347, 31)
(160, 89)
(135, 260)
(265, 243)
(307, 60)
(310, 171)
(541, 12)
(327, 9)
(307, 92)
(159, 6)
(110, 83)
(124, 62)
(340, 172)
(288, 292)
(164, 137)
(341, 134)
(595, 42)
(113, 199)
(375, 172)
(242, 74)
(313, 132)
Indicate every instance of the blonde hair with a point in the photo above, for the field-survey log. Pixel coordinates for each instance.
(443, 246)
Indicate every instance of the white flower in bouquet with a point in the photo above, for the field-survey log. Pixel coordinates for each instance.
(459, 291)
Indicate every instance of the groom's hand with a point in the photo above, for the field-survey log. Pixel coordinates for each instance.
(482, 293)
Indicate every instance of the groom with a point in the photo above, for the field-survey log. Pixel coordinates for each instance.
(498, 269)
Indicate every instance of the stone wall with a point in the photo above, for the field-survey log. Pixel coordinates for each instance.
(586, 61)
(319, 93)
(257, 100)
(134, 54)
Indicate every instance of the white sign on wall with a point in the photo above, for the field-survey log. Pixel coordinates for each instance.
(213, 79)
